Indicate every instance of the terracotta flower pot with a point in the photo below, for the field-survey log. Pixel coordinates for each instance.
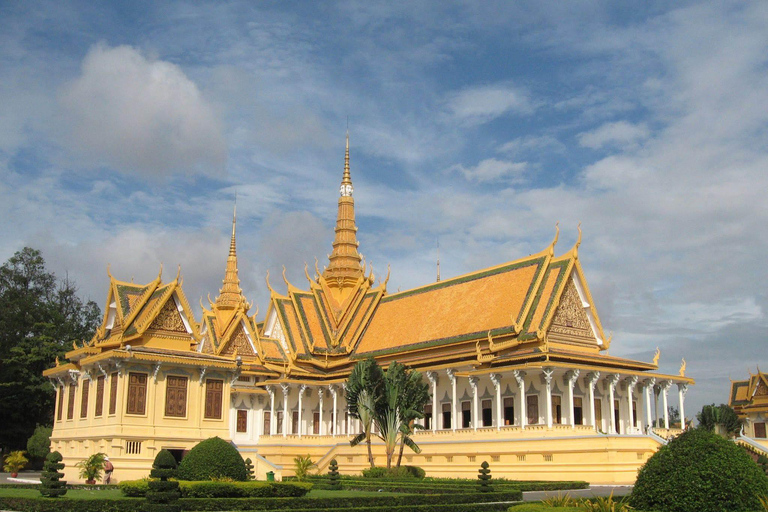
(90, 482)
(14, 475)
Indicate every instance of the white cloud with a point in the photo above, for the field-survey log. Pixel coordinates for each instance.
(478, 105)
(139, 114)
(491, 169)
(620, 133)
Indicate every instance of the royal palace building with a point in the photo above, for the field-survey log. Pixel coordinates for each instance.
(515, 356)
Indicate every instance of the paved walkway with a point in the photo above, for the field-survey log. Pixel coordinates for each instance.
(25, 477)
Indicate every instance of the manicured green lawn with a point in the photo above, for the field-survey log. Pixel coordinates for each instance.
(80, 494)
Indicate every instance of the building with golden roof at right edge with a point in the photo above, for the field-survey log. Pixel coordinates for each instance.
(515, 356)
(749, 399)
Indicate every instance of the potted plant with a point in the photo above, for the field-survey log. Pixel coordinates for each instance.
(91, 468)
(14, 461)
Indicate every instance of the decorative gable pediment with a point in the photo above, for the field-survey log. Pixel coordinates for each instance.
(239, 342)
(571, 322)
(169, 318)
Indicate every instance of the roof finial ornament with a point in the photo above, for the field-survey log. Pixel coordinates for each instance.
(232, 248)
(656, 356)
(178, 272)
(578, 241)
(160, 274)
(386, 279)
(109, 274)
(682, 368)
(306, 273)
(554, 241)
(317, 270)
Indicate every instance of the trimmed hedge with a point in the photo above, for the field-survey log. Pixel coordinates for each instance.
(456, 486)
(211, 489)
(213, 458)
(541, 507)
(468, 502)
(701, 471)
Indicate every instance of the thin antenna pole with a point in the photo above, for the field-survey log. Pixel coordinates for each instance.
(438, 260)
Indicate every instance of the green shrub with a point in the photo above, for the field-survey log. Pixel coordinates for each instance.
(391, 473)
(334, 483)
(302, 464)
(213, 458)
(416, 471)
(163, 493)
(134, 488)
(39, 443)
(484, 478)
(51, 484)
(211, 489)
(699, 470)
(249, 469)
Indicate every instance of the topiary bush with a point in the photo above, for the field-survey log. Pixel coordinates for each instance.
(249, 470)
(51, 485)
(163, 494)
(334, 480)
(213, 458)
(699, 470)
(416, 471)
(484, 478)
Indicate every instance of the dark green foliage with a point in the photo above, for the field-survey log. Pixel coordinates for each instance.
(701, 471)
(541, 507)
(249, 469)
(388, 473)
(416, 471)
(163, 494)
(762, 461)
(39, 444)
(334, 482)
(211, 489)
(40, 316)
(213, 458)
(51, 484)
(484, 478)
(469, 502)
(720, 418)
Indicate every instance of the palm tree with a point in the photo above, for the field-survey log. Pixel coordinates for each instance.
(364, 399)
(413, 397)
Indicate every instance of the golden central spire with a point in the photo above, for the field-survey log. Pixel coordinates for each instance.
(230, 295)
(344, 268)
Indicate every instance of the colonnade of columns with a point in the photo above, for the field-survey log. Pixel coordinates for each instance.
(608, 402)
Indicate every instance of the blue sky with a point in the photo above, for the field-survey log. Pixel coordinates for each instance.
(126, 128)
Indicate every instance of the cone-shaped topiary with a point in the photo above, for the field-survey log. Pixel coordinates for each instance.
(51, 484)
(163, 493)
(484, 478)
(213, 458)
(334, 481)
(249, 469)
(701, 471)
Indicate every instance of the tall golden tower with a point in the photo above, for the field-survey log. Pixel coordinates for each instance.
(230, 295)
(344, 269)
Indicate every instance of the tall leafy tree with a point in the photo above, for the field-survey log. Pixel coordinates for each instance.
(721, 419)
(40, 316)
(392, 402)
(364, 396)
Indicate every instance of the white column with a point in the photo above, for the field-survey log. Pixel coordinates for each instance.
(520, 379)
(631, 382)
(272, 422)
(286, 388)
(496, 379)
(348, 418)
(665, 390)
(612, 380)
(591, 382)
(547, 376)
(454, 416)
(647, 391)
(302, 389)
(334, 392)
(432, 376)
(473, 385)
(570, 379)
(656, 393)
(320, 394)
(682, 389)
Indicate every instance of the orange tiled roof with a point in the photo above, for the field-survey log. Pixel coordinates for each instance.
(463, 307)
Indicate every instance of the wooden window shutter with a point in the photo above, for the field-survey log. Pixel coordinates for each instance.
(84, 401)
(176, 396)
(60, 408)
(137, 393)
(242, 420)
(99, 396)
(71, 402)
(113, 393)
(213, 392)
